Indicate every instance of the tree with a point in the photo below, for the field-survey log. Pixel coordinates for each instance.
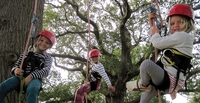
(15, 21)
(117, 28)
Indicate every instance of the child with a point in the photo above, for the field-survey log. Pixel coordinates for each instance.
(34, 69)
(96, 73)
(169, 73)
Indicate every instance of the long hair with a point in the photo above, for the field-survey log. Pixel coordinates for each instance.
(187, 24)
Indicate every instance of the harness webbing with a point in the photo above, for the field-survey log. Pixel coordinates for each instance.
(31, 31)
(178, 60)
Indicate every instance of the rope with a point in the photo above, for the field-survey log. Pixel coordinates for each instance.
(32, 31)
(155, 49)
(89, 38)
(89, 44)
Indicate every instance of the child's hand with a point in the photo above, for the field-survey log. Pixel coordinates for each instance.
(18, 72)
(151, 19)
(154, 30)
(28, 79)
(112, 88)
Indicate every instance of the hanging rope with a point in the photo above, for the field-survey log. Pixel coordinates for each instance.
(159, 26)
(89, 38)
(31, 35)
(89, 45)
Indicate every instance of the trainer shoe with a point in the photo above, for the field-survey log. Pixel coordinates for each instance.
(136, 86)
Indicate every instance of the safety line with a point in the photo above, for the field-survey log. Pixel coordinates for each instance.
(89, 44)
(20, 99)
(155, 49)
(28, 39)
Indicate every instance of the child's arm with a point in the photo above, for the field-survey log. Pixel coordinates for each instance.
(44, 72)
(17, 65)
(112, 88)
(152, 24)
(101, 71)
(151, 19)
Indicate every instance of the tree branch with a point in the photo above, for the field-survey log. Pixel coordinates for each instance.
(70, 57)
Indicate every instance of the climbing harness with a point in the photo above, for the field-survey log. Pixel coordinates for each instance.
(95, 75)
(176, 59)
(31, 35)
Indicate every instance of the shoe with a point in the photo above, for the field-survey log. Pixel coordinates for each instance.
(136, 86)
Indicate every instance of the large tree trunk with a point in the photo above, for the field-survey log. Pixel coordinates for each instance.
(15, 22)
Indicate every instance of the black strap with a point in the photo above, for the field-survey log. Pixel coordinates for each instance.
(94, 74)
(182, 63)
(35, 63)
(93, 85)
(26, 61)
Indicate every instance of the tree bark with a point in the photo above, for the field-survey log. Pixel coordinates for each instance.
(15, 22)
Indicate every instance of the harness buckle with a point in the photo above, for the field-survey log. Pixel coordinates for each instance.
(30, 49)
(171, 63)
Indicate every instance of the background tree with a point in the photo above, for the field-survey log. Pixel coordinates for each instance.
(119, 30)
(15, 21)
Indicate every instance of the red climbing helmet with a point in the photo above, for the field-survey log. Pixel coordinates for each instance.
(181, 9)
(49, 35)
(94, 53)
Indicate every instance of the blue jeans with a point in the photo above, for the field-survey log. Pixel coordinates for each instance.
(13, 83)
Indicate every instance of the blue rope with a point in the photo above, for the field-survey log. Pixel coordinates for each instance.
(34, 20)
(153, 10)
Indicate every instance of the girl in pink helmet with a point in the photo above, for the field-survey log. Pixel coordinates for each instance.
(36, 65)
(95, 74)
(169, 73)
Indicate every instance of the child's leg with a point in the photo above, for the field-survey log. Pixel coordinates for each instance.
(147, 96)
(32, 91)
(7, 86)
(80, 92)
(150, 71)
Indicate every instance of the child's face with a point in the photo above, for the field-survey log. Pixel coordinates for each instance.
(175, 23)
(95, 59)
(43, 44)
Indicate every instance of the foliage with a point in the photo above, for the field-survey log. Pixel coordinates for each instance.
(195, 99)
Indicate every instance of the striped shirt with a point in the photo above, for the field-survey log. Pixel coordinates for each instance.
(45, 59)
(100, 69)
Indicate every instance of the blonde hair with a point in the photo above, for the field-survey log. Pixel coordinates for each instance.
(187, 24)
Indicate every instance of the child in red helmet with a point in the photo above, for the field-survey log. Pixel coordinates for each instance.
(96, 73)
(36, 65)
(169, 73)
